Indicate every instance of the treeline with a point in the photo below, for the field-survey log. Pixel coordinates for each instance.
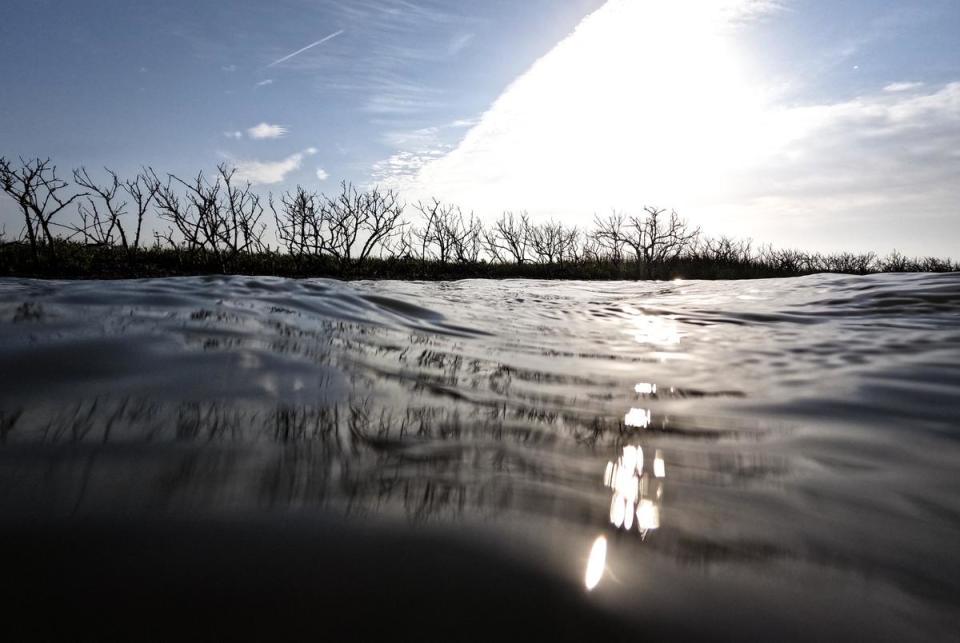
(86, 227)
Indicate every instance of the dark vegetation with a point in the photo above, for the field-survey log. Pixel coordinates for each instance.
(91, 227)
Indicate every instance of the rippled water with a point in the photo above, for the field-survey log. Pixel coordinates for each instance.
(771, 458)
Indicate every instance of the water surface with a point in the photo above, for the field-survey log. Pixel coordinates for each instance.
(771, 458)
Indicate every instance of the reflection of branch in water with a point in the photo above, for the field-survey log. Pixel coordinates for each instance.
(425, 461)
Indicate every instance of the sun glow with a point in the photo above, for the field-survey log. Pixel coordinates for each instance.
(645, 100)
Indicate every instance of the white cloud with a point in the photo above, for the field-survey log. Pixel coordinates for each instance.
(402, 169)
(322, 174)
(264, 83)
(412, 139)
(653, 103)
(902, 87)
(266, 130)
(236, 135)
(270, 172)
(229, 68)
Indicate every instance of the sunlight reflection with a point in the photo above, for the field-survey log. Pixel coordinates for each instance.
(648, 515)
(637, 418)
(645, 388)
(637, 497)
(659, 331)
(596, 563)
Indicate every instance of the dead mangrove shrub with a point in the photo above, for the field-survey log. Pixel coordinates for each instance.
(508, 239)
(446, 235)
(221, 217)
(608, 237)
(350, 227)
(103, 212)
(553, 243)
(41, 195)
(657, 238)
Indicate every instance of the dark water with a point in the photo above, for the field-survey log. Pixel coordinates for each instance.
(774, 459)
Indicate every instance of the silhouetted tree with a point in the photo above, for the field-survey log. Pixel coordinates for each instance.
(298, 222)
(351, 226)
(656, 239)
(609, 236)
(727, 250)
(551, 242)
(220, 217)
(198, 216)
(98, 223)
(244, 231)
(447, 235)
(509, 238)
(39, 193)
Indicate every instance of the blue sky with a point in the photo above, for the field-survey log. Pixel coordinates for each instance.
(799, 122)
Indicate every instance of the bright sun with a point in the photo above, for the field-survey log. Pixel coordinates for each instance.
(647, 101)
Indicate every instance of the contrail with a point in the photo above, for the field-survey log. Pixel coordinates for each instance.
(310, 46)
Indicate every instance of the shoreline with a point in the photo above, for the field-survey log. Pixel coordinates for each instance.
(72, 260)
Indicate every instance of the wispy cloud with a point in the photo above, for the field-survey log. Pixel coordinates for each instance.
(229, 68)
(322, 174)
(264, 83)
(266, 130)
(303, 49)
(402, 169)
(400, 104)
(270, 172)
(459, 43)
(901, 87)
(236, 135)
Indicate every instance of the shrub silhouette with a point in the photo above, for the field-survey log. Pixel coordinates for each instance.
(217, 225)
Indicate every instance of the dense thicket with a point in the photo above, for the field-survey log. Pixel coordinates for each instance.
(95, 228)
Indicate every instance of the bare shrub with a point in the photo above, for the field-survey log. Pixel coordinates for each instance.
(656, 239)
(609, 236)
(509, 238)
(98, 224)
(894, 262)
(447, 235)
(220, 217)
(244, 231)
(727, 251)
(351, 226)
(299, 226)
(41, 196)
(845, 262)
(552, 242)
